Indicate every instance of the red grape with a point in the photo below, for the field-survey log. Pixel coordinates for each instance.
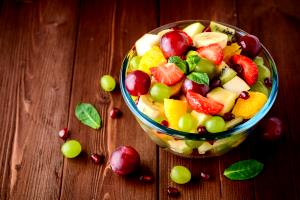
(250, 45)
(124, 160)
(174, 43)
(137, 83)
(272, 129)
(195, 87)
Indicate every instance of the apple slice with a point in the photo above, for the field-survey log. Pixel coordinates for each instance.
(236, 85)
(145, 43)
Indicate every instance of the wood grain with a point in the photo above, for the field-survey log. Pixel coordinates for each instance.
(107, 30)
(36, 53)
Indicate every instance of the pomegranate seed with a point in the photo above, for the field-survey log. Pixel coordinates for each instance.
(64, 134)
(115, 113)
(215, 83)
(268, 82)
(174, 192)
(97, 159)
(164, 123)
(201, 129)
(146, 178)
(204, 176)
(228, 116)
(244, 95)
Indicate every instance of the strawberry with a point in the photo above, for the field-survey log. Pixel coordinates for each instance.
(168, 74)
(250, 71)
(203, 104)
(212, 52)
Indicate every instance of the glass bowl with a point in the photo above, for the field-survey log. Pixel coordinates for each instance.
(205, 145)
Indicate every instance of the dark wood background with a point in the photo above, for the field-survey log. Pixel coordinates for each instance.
(52, 54)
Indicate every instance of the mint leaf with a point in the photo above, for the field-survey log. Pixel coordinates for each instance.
(88, 115)
(181, 64)
(198, 77)
(193, 61)
(242, 170)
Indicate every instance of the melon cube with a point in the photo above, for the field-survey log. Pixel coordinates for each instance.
(200, 117)
(237, 85)
(145, 43)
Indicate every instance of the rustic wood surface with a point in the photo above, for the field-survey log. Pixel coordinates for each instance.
(52, 54)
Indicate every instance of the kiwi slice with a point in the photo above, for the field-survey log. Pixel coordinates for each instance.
(227, 74)
(216, 27)
(260, 87)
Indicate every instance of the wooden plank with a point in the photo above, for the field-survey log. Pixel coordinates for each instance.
(218, 187)
(107, 31)
(276, 24)
(37, 42)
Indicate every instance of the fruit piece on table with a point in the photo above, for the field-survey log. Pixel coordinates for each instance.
(180, 146)
(168, 74)
(187, 123)
(226, 73)
(215, 124)
(250, 45)
(137, 83)
(64, 134)
(272, 129)
(203, 104)
(159, 92)
(208, 38)
(180, 174)
(107, 83)
(250, 71)
(231, 50)
(263, 72)
(232, 123)
(216, 27)
(175, 43)
(223, 96)
(204, 147)
(124, 160)
(236, 85)
(248, 108)
(145, 43)
(71, 148)
(174, 109)
(150, 108)
(194, 29)
(213, 53)
(260, 87)
(201, 118)
(151, 58)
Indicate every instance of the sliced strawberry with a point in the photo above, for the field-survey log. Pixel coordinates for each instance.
(250, 71)
(203, 104)
(168, 74)
(212, 52)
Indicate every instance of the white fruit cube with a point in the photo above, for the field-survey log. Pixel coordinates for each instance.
(236, 85)
(145, 43)
(200, 117)
(225, 97)
(194, 29)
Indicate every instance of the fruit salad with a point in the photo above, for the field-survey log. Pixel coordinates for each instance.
(198, 79)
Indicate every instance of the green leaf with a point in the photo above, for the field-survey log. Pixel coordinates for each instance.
(181, 64)
(198, 77)
(242, 170)
(193, 61)
(88, 115)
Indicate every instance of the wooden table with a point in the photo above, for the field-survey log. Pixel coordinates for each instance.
(52, 54)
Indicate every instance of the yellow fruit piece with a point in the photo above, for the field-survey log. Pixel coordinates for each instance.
(249, 107)
(174, 109)
(231, 50)
(175, 89)
(151, 58)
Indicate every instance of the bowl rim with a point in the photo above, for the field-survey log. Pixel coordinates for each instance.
(207, 136)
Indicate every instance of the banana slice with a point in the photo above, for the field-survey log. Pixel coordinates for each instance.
(150, 108)
(207, 38)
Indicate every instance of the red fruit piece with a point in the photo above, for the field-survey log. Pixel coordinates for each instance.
(203, 104)
(168, 74)
(250, 71)
(212, 52)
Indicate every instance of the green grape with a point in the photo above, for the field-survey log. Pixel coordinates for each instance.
(180, 174)
(107, 83)
(134, 62)
(187, 123)
(193, 143)
(205, 66)
(258, 60)
(215, 124)
(191, 53)
(71, 148)
(159, 92)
